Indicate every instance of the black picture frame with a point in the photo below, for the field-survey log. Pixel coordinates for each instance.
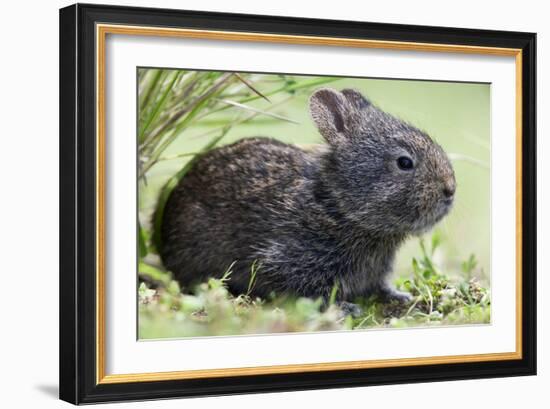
(78, 313)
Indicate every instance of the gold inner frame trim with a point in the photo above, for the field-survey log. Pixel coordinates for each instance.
(101, 33)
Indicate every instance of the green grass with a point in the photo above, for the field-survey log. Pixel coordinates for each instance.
(183, 114)
(210, 309)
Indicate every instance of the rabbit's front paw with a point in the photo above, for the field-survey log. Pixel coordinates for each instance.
(349, 308)
(391, 295)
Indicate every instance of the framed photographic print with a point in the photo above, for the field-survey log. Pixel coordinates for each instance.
(258, 203)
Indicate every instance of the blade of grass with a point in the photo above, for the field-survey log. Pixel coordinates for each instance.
(469, 159)
(157, 109)
(155, 273)
(333, 294)
(249, 85)
(286, 88)
(242, 120)
(253, 272)
(226, 276)
(258, 111)
(191, 111)
(152, 85)
(142, 242)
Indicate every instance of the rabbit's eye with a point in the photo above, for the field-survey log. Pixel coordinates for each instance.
(405, 163)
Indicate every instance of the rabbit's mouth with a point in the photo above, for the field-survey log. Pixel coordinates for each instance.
(448, 202)
(439, 211)
(442, 208)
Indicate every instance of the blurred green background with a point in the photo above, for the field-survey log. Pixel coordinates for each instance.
(181, 112)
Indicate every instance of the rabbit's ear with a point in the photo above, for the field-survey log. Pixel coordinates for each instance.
(356, 99)
(329, 110)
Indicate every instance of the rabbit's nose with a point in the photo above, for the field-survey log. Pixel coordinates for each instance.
(449, 189)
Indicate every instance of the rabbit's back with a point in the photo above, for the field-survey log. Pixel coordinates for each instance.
(228, 204)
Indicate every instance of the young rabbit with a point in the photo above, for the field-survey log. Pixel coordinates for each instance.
(310, 220)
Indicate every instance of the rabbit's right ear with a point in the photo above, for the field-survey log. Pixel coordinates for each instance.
(329, 109)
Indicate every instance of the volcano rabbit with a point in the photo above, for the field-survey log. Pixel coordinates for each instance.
(310, 220)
